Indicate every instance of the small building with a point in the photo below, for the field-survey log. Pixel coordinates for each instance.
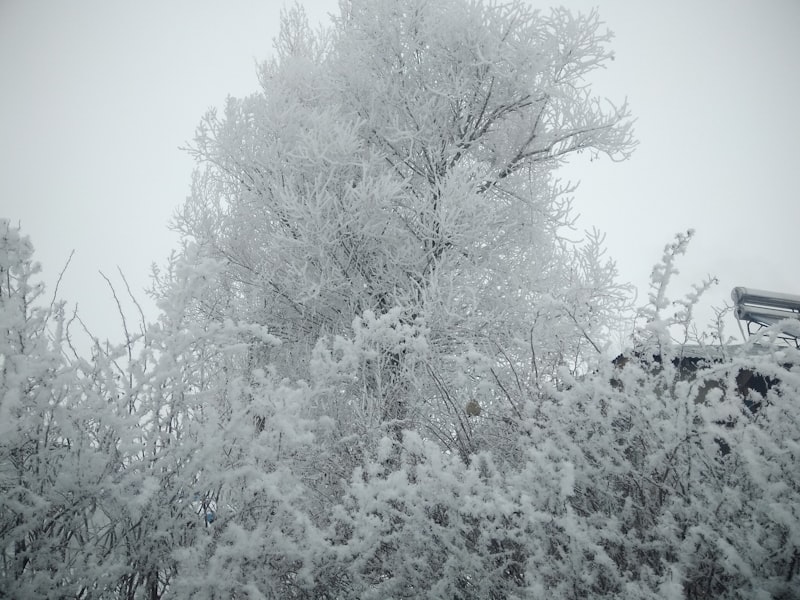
(758, 309)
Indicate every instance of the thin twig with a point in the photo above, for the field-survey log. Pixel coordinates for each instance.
(55, 289)
(135, 302)
(128, 339)
(505, 391)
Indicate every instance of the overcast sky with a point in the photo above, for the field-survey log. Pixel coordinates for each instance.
(98, 96)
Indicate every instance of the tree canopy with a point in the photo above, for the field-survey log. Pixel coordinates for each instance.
(401, 180)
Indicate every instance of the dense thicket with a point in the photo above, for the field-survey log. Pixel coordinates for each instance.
(377, 371)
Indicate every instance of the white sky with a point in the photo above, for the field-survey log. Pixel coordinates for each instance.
(99, 94)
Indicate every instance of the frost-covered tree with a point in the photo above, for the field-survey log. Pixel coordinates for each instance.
(652, 477)
(386, 208)
(387, 204)
(58, 445)
(684, 479)
(40, 506)
(377, 367)
(116, 469)
(243, 441)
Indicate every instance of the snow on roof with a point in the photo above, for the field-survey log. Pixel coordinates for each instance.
(701, 353)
